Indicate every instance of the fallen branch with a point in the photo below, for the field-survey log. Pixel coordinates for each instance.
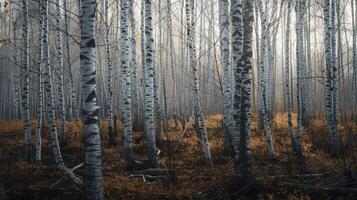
(299, 175)
(150, 177)
(186, 127)
(153, 171)
(63, 177)
(183, 134)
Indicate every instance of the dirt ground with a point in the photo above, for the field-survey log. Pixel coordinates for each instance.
(316, 176)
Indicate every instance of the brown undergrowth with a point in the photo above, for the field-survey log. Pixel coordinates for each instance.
(184, 155)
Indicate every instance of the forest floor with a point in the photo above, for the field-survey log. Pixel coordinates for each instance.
(315, 176)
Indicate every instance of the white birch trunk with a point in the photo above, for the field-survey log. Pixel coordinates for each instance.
(237, 52)
(92, 144)
(109, 102)
(227, 93)
(134, 75)
(330, 73)
(60, 69)
(149, 85)
(172, 63)
(51, 104)
(39, 89)
(25, 81)
(128, 151)
(295, 147)
(190, 5)
(264, 76)
(246, 62)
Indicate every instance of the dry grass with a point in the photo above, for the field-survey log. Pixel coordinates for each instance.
(31, 181)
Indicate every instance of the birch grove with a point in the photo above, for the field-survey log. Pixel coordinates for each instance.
(176, 92)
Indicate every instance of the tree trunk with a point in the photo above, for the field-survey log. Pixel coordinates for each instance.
(202, 131)
(330, 73)
(227, 94)
(295, 147)
(149, 85)
(133, 64)
(92, 144)
(39, 88)
(237, 51)
(109, 102)
(25, 81)
(51, 104)
(60, 69)
(128, 151)
(172, 63)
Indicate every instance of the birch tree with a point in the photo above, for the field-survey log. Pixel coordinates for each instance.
(300, 65)
(246, 61)
(287, 86)
(354, 55)
(92, 144)
(225, 54)
(133, 64)
(25, 81)
(172, 63)
(245, 64)
(210, 65)
(51, 103)
(109, 100)
(39, 88)
(73, 100)
(128, 151)
(330, 62)
(263, 78)
(296, 147)
(149, 85)
(157, 100)
(202, 131)
(237, 51)
(60, 69)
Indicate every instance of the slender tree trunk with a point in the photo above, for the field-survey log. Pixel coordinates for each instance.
(172, 63)
(39, 88)
(149, 85)
(109, 102)
(354, 58)
(308, 65)
(25, 81)
(143, 65)
(92, 144)
(261, 45)
(237, 51)
(330, 73)
(295, 147)
(74, 108)
(202, 131)
(157, 75)
(133, 64)
(60, 68)
(264, 84)
(245, 114)
(246, 62)
(300, 66)
(51, 104)
(17, 77)
(210, 67)
(128, 151)
(227, 94)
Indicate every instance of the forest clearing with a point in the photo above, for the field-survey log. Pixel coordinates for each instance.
(178, 99)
